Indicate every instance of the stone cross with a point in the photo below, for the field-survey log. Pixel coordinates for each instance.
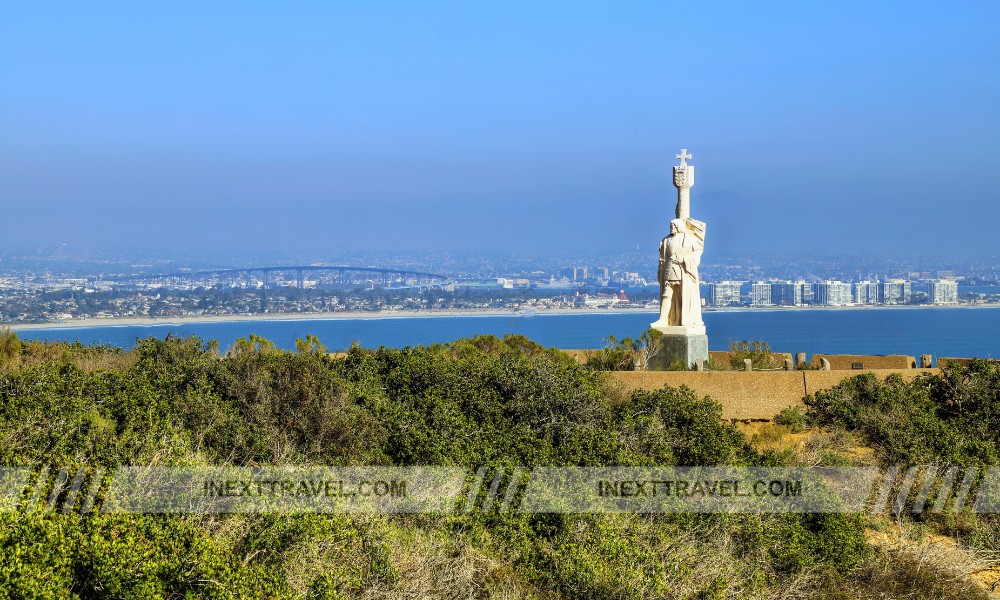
(683, 181)
(683, 156)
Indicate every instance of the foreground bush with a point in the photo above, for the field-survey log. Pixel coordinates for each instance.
(478, 402)
(949, 419)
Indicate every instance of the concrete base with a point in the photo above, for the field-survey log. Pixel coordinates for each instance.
(665, 329)
(690, 348)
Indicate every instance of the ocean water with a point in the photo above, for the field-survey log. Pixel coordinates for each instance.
(912, 331)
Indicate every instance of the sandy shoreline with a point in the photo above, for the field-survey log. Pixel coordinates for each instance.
(366, 315)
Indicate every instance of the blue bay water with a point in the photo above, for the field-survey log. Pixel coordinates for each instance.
(911, 331)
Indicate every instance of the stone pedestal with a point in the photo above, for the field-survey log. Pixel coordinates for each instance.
(691, 348)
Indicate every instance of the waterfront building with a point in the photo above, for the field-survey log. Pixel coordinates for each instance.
(833, 293)
(760, 294)
(726, 293)
(942, 291)
(866, 292)
(895, 291)
(806, 291)
(791, 293)
(781, 294)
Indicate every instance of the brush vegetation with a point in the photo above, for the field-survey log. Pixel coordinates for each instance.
(475, 402)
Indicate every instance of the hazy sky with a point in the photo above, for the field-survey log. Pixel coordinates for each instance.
(523, 126)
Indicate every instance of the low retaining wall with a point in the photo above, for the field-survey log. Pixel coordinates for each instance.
(847, 362)
(748, 395)
(742, 394)
(838, 362)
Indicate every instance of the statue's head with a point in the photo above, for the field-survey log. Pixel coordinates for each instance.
(676, 225)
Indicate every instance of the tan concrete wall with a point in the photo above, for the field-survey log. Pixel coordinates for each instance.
(840, 362)
(749, 395)
(721, 358)
(743, 395)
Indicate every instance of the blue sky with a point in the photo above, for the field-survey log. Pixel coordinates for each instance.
(860, 127)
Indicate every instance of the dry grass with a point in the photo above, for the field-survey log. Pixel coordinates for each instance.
(815, 446)
(922, 549)
(430, 567)
(910, 562)
(897, 573)
(767, 435)
(425, 561)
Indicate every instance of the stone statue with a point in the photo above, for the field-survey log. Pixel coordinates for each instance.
(684, 339)
(680, 255)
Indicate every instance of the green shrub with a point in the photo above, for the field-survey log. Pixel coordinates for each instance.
(792, 417)
(952, 418)
(627, 354)
(481, 401)
(713, 365)
(611, 359)
(758, 351)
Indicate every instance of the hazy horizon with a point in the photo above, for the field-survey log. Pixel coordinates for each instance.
(313, 129)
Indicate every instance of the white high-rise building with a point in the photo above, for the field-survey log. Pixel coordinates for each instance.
(726, 293)
(833, 293)
(866, 292)
(895, 291)
(760, 294)
(806, 289)
(942, 291)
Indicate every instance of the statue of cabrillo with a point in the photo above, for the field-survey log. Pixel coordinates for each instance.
(680, 299)
(680, 255)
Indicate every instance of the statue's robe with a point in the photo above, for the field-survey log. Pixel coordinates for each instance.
(680, 257)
